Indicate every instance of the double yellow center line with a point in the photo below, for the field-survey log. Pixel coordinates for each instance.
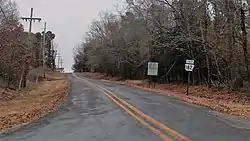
(155, 126)
(140, 116)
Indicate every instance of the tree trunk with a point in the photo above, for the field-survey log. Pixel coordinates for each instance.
(204, 40)
(244, 44)
(229, 13)
(21, 79)
(26, 70)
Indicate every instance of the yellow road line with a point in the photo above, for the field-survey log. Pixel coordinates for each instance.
(150, 119)
(156, 131)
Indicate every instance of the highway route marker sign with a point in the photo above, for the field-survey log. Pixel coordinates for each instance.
(189, 67)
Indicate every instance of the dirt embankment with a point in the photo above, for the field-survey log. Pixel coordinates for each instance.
(21, 107)
(233, 103)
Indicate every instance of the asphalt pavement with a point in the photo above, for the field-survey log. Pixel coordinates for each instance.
(91, 116)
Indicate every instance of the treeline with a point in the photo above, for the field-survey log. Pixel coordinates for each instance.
(212, 32)
(39, 40)
(19, 53)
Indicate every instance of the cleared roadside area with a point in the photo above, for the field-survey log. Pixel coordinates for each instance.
(19, 108)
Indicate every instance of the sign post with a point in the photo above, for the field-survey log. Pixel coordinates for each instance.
(152, 70)
(189, 67)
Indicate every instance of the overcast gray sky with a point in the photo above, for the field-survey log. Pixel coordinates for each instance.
(68, 19)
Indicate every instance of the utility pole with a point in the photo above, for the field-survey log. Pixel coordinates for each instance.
(54, 54)
(26, 63)
(44, 42)
(31, 19)
(61, 63)
(43, 45)
(58, 59)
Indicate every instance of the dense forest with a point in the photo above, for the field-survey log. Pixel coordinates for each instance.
(214, 33)
(20, 51)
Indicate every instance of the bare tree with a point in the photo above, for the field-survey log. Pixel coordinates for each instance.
(13, 45)
(212, 32)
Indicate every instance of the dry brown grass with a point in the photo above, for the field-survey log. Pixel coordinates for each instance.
(33, 103)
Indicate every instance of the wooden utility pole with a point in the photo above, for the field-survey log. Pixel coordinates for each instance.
(54, 54)
(58, 59)
(26, 63)
(43, 45)
(31, 19)
(44, 42)
(61, 65)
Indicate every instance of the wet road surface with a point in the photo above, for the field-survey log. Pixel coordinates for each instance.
(91, 116)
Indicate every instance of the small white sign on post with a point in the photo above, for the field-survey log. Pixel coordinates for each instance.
(189, 66)
(189, 61)
(153, 68)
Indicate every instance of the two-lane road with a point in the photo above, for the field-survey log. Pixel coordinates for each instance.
(108, 112)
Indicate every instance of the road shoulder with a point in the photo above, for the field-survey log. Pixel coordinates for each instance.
(33, 103)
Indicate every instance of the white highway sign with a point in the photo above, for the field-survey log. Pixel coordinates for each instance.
(189, 61)
(189, 67)
(153, 68)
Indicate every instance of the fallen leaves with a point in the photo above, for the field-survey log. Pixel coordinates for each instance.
(35, 103)
(6, 95)
(234, 103)
(226, 102)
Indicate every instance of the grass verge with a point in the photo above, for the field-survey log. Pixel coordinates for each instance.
(32, 103)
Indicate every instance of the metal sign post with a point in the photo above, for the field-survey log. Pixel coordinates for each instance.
(152, 70)
(189, 73)
(189, 67)
(149, 81)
